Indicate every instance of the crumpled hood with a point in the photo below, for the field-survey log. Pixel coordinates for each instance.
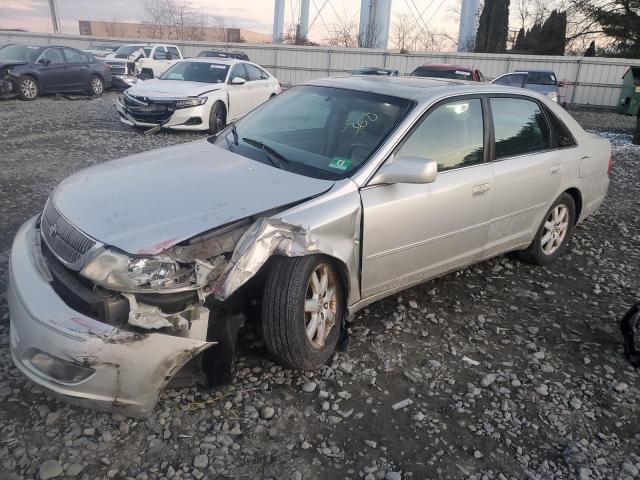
(11, 63)
(172, 88)
(148, 202)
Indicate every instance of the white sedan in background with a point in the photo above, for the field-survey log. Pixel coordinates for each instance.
(197, 94)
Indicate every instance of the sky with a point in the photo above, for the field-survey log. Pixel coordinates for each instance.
(256, 15)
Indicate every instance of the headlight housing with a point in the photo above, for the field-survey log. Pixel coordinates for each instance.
(190, 102)
(120, 272)
(553, 96)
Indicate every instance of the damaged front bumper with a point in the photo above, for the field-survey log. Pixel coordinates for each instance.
(157, 115)
(82, 360)
(123, 81)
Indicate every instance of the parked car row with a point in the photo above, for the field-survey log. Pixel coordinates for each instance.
(542, 81)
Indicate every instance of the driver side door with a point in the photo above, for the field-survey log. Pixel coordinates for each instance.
(412, 232)
(240, 96)
(52, 68)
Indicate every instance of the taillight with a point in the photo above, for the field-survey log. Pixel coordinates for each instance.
(610, 168)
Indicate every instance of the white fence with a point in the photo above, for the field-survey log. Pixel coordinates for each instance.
(593, 81)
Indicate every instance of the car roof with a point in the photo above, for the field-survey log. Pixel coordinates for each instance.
(223, 60)
(533, 70)
(420, 89)
(446, 66)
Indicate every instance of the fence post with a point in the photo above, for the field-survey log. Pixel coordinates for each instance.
(275, 61)
(330, 53)
(508, 65)
(577, 82)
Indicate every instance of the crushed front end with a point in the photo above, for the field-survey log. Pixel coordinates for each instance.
(107, 330)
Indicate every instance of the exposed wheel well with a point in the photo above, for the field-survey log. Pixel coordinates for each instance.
(577, 198)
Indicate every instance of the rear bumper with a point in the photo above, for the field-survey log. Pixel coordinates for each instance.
(129, 369)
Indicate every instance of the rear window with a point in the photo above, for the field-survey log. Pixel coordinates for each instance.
(438, 73)
(22, 53)
(541, 78)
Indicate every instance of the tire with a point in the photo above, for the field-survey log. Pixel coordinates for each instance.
(289, 288)
(554, 234)
(96, 86)
(217, 118)
(145, 76)
(28, 88)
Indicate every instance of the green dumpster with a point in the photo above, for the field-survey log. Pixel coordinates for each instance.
(629, 102)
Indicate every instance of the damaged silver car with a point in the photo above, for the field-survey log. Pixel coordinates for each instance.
(140, 272)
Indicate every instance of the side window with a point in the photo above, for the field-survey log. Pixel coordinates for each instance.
(238, 71)
(563, 136)
(147, 51)
(174, 52)
(520, 127)
(74, 56)
(160, 54)
(452, 135)
(253, 72)
(54, 55)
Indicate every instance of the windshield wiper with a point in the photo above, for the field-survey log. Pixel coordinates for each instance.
(270, 151)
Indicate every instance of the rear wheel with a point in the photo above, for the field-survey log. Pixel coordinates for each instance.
(303, 310)
(217, 118)
(554, 233)
(96, 86)
(28, 88)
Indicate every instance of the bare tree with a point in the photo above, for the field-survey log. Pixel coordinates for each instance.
(220, 24)
(403, 32)
(174, 19)
(344, 33)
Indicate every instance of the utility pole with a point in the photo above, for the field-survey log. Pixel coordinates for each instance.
(55, 20)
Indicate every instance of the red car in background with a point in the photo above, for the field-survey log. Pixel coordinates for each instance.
(456, 72)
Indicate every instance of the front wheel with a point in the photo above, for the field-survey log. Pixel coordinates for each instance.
(217, 118)
(96, 86)
(554, 233)
(28, 88)
(303, 310)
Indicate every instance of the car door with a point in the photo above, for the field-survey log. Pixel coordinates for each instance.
(239, 95)
(52, 68)
(527, 171)
(415, 231)
(259, 85)
(77, 71)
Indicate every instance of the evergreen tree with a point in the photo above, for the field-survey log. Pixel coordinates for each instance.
(493, 27)
(619, 19)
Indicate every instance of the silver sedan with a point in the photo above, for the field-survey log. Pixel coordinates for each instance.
(323, 200)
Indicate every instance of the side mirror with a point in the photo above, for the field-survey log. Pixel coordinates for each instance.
(238, 81)
(44, 61)
(561, 84)
(406, 170)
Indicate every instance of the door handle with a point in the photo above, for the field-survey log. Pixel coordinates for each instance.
(478, 190)
(555, 169)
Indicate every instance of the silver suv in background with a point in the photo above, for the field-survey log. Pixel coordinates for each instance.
(541, 81)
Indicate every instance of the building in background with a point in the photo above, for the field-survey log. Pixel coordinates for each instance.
(166, 32)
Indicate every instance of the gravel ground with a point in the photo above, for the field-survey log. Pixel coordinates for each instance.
(501, 370)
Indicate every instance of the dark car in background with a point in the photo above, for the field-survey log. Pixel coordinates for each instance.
(221, 54)
(454, 72)
(32, 70)
(389, 72)
(541, 81)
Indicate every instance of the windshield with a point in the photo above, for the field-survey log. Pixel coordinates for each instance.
(126, 50)
(319, 132)
(197, 72)
(438, 73)
(21, 53)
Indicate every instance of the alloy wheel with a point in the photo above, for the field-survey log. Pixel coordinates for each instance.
(320, 306)
(555, 230)
(97, 86)
(29, 88)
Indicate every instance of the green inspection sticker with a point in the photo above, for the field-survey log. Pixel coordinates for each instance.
(340, 163)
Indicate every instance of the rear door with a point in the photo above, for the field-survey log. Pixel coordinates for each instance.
(77, 71)
(53, 74)
(527, 171)
(412, 232)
